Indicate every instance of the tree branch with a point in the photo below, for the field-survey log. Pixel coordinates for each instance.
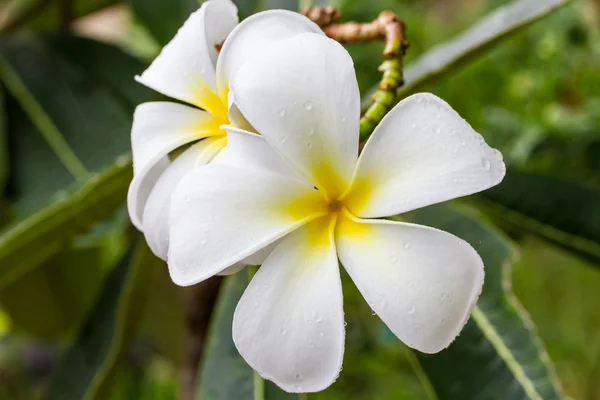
(388, 27)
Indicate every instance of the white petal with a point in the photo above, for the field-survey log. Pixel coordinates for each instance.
(289, 324)
(255, 34)
(221, 215)
(422, 282)
(422, 153)
(185, 69)
(158, 206)
(159, 128)
(302, 96)
(248, 150)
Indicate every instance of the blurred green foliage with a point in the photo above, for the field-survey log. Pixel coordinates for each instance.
(535, 96)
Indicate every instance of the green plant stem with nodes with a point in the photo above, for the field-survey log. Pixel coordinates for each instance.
(386, 27)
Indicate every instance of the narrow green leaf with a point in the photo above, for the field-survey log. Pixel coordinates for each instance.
(41, 120)
(500, 355)
(163, 18)
(485, 34)
(90, 363)
(563, 211)
(88, 106)
(224, 374)
(45, 233)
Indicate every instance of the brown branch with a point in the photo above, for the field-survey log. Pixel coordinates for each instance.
(388, 27)
(200, 302)
(322, 15)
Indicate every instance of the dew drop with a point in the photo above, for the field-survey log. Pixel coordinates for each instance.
(309, 145)
(393, 259)
(373, 313)
(485, 163)
(283, 331)
(311, 132)
(311, 345)
(413, 125)
(345, 323)
(308, 106)
(438, 130)
(318, 317)
(411, 310)
(298, 375)
(256, 304)
(203, 240)
(282, 112)
(343, 119)
(321, 334)
(406, 245)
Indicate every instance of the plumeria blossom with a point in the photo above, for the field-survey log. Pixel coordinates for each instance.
(303, 189)
(191, 69)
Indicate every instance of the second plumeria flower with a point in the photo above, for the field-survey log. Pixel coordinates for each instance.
(194, 68)
(325, 204)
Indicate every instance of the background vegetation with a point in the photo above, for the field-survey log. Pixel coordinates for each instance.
(87, 312)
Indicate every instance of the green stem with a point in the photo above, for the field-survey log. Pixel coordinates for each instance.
(259, 387)
(384, 98)
(41, 120)
(258, 381)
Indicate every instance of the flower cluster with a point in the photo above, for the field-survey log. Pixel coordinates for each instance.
(274, 176)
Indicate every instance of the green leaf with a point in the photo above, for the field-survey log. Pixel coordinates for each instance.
(163, 18)
(42, 235)
(500, 355)
(563, 211)
(499, 25)
(90, 363)
(224, 374)
(69, 142)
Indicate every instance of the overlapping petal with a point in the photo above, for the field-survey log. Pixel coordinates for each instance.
(422, 153)
(159, 128)
(421, 281)
(248, 150)
(253, 36)
(289, 324)
(185, 68)
(156, 215)
(302, 96)
(221, 215)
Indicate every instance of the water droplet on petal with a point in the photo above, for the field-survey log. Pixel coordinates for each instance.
(485, 163)
(311, 132)
(282, 112)
(309, 145)
(318, 317)
(321, 334)
(406, 245)
(412, 310)
(393, 259)
(298, 375)
(345, 323)
(438, 130)
(308, 106)
(256, 304)
(283, 331)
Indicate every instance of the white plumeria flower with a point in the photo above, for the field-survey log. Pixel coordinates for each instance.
(323, 206)
(190, 69)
